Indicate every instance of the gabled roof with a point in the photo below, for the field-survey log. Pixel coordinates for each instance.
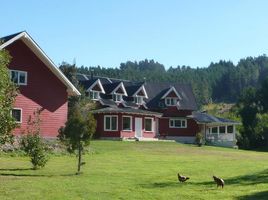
(111, 88)
(89, 84)
(142, 88)
(156, 91)
(27, 39)
(169, 91)
(206, 118)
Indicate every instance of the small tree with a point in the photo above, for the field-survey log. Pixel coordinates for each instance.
(33, 144)
(78, 131)
(8, 92)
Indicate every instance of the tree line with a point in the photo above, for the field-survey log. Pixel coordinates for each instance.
(221, 81)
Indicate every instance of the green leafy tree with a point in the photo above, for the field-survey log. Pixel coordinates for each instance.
(78, 130)
(32, 142)
(8, 93)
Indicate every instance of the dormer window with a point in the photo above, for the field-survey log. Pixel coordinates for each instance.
(117, 97)
(18, 77)
(171, 101)
(138, 100)
(94, 95)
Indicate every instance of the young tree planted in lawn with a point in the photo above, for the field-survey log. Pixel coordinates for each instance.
(8, 94)
(32, 143)
(78, 130)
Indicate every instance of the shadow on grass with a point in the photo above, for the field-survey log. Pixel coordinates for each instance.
(8, 173)
(16, 169)
(259, 195)
(164, 184)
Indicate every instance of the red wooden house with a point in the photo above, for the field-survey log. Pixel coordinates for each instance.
(151, 110)
(41, 84)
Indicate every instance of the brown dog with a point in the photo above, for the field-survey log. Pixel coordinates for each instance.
(218, 181)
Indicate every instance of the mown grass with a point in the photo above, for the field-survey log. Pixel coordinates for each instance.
(139, 170)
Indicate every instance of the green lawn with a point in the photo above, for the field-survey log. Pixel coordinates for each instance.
(139, 170)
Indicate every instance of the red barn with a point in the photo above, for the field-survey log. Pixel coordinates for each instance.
(152, 110)
(41, 85)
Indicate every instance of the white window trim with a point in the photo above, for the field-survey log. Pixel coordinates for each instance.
(110, 116)
(126, 116)
(174, 98)
(152, 127)
(115, 94)
(142, 101)
(182, 119)
(19, 71)
(94, 91)
(19, 122)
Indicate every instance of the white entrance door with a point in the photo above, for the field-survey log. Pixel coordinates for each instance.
(138, 127)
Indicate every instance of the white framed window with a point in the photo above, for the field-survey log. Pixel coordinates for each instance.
(94, 95)
(138, 100)
(18, 77)
(177, 123)
(148, 124)
(127, 123)
(117, 97)
(110, 123)
(222, 129)
(214, 130)
(171, 101)
(16, 113)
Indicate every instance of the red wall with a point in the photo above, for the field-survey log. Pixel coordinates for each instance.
(43, 90)
(120, 133)
(164, 130)
(172, 111)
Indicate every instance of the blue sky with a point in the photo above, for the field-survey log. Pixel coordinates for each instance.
(172, 32)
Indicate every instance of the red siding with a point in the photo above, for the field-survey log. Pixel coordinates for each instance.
(141, 93)
(164, 130)
(172, 94)
(43, 90)
(119, 91)
(96, 88)
(120, 133)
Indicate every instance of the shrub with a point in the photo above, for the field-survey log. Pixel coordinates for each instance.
(35, 148)
(199, 139)
(32, 143)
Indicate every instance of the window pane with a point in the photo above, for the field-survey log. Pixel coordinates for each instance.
(148, 124)
(171, 123)
(230, 129)
(222, 129)
(177, 123)
(16, 114)
(183, 123)
(126, 123)
(22, 77)
(107, 123)
(114, 123)
(14, 76)
(214, 130)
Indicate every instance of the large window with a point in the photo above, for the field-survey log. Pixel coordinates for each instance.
(148, 124)
(214, 130)
(18, 77)
(110, 123)
(94, 95)
(16, 114)
(171, 101)
(222, 129)
(138, 100)
(117, 97)
(178, 123)
(127, 123)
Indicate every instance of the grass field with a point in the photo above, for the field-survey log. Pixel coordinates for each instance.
(139, 170)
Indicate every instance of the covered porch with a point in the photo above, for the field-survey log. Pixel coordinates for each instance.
(215, 130)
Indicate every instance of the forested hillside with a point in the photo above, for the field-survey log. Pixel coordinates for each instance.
(219, 82)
